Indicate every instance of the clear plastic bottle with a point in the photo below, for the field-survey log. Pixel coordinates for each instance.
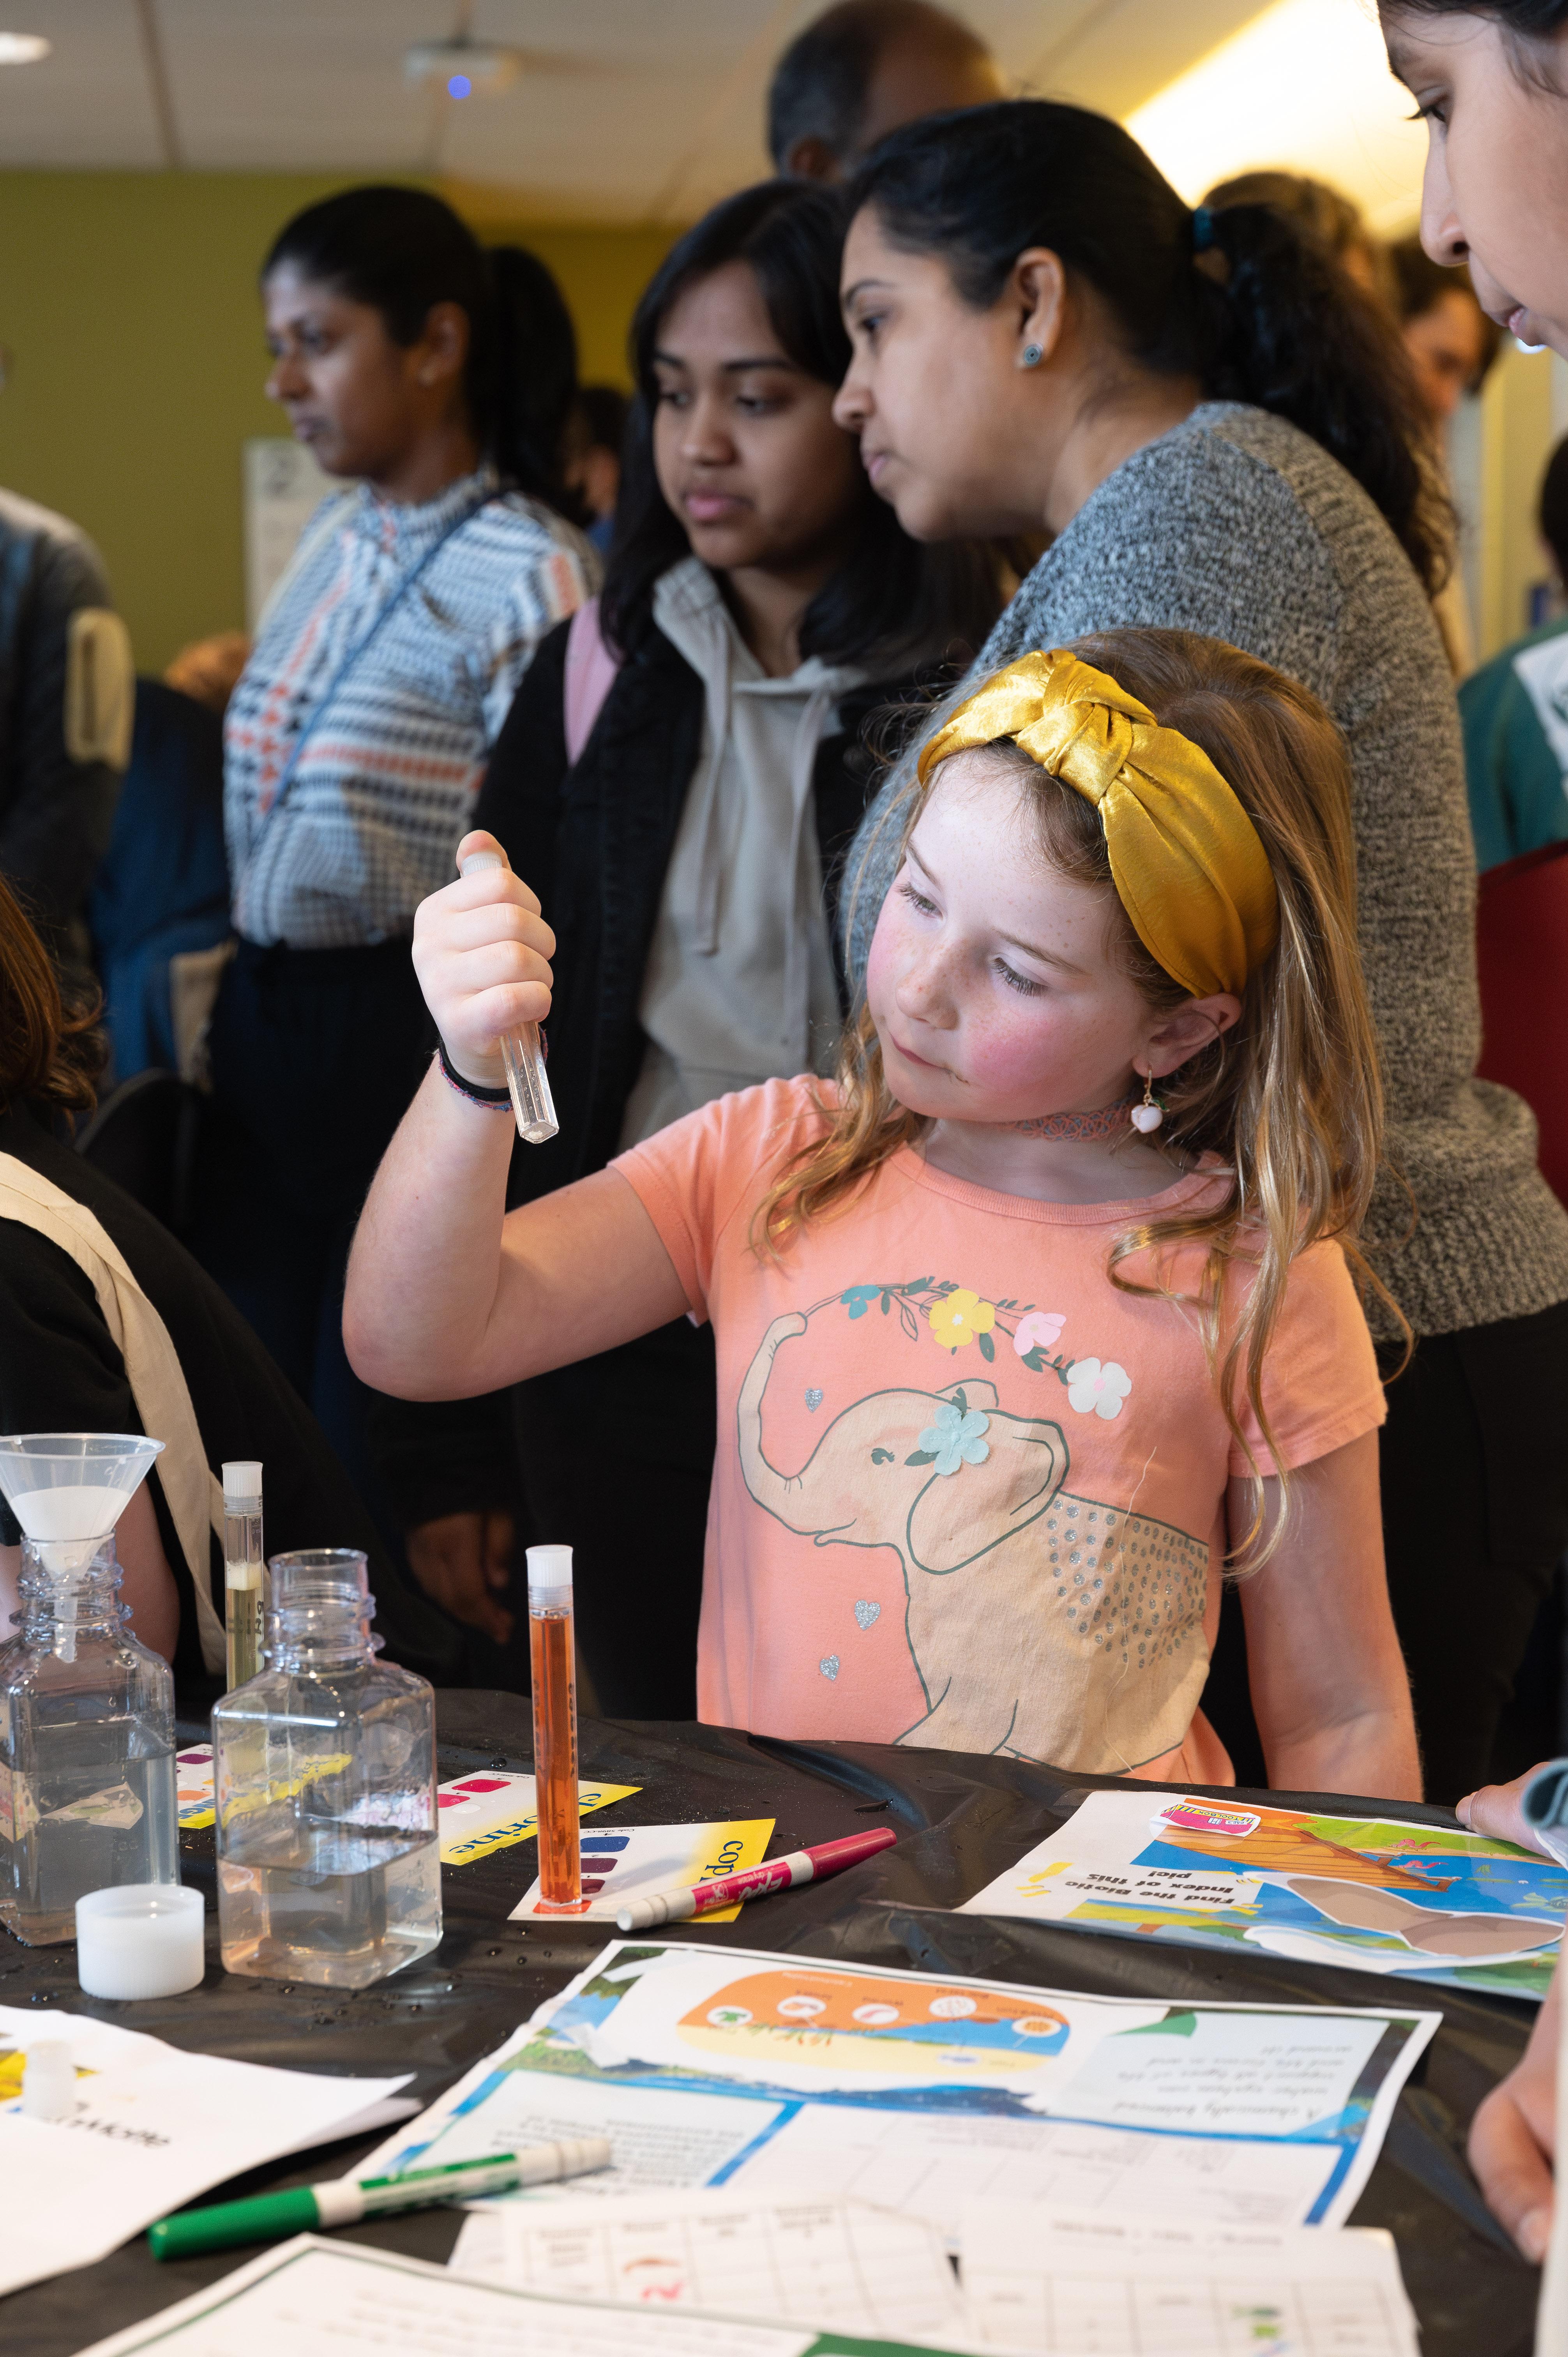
(329, 1866)
(87, 1770)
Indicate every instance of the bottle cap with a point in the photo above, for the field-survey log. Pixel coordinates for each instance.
(242, 1483)
(550, 1572)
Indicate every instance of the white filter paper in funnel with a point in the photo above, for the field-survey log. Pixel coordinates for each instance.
(68, 1490)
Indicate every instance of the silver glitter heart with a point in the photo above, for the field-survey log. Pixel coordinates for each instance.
(813, 1399)
(829, 1666)
(866, 1613)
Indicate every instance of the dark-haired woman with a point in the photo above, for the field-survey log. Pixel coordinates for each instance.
(1218, 433)
(355, 739)
(1491, 81)
(679, 778)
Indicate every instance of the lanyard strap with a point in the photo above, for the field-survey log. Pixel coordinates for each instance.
(362, 645)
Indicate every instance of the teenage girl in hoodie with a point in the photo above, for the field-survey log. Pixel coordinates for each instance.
(679, 778)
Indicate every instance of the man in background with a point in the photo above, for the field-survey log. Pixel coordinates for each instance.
(66, 697)
(862, 71)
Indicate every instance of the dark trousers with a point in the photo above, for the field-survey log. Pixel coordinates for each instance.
(615, 1458)
(316, 1055)
(1474, 1461)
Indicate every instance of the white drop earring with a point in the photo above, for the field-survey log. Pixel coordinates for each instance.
(1031, 356)
(1148, 1116)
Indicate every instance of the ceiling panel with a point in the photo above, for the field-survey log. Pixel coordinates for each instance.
(626, 109)
(90, 101)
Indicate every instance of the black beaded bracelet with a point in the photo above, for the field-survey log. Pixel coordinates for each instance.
(493, 1099)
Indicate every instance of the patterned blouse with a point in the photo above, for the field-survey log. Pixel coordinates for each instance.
(367, 825)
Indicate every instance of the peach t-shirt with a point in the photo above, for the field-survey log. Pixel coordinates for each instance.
(966, 1493)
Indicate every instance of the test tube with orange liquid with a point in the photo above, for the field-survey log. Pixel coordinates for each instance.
(553, 1661)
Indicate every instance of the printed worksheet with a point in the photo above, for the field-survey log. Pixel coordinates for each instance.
(856, 2269)
(316, 2298)
(644, 1861)
(790, 2079)
(1074, 2282)
(495, 1808)
(1428, 1902)
(152, 2128)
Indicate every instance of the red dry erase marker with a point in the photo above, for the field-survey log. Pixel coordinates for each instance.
(752, 1881)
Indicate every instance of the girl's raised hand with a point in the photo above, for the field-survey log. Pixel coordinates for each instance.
(481, 951)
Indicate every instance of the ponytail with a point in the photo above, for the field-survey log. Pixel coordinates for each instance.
(1239, 299)
(403, 251)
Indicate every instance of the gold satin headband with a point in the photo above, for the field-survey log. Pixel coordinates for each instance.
(1186, 859)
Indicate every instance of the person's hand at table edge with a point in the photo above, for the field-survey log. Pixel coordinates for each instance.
(1513, 2137)
(463, 1562)
(1494, 1809)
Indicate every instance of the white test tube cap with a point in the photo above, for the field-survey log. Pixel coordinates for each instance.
(550, 1573)
(241, 1484)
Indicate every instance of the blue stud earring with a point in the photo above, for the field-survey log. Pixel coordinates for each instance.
(1031, 356)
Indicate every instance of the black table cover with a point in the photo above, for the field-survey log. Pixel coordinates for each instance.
(960, 1819)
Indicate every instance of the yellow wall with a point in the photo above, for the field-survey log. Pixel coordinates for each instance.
(128, 313)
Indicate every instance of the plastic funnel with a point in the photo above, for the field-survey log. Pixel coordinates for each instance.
(68, 1490)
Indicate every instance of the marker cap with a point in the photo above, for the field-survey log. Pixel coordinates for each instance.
(269, 2216)
(242, 1485)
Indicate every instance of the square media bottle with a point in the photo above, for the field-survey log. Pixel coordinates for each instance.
(324, 1767)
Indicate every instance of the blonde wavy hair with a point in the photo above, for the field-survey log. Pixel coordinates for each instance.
(1290, 1100)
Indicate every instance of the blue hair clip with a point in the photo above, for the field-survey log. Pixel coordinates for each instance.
(1202, 230)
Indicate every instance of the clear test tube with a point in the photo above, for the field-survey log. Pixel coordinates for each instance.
(553, 1663)
(244, 1570)
(523, 1053)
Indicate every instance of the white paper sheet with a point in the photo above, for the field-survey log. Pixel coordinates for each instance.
(317, 2298)
(1068, 2283)
(153, 2129)
(832, 2265)
(1253, 2114)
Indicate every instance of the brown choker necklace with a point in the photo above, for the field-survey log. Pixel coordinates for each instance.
(1079, 1128)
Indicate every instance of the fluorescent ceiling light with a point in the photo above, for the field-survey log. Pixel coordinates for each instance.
(462, 67)
(1306, 87)
(23, 48)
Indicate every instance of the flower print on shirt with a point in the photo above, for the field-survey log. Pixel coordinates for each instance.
(955, 1437)
(1096, 1390)
(960, 1319)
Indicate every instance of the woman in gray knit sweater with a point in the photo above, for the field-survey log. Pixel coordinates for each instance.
(1040, 328)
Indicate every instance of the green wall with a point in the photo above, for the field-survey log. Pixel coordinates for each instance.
(129, 317)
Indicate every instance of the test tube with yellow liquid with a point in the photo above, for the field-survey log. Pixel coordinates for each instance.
(244, 1571)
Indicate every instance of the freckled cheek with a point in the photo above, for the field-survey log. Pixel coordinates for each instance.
(1007, 1050)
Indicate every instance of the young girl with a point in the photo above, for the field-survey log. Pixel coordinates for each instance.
(679, 778)
(1011, 1348)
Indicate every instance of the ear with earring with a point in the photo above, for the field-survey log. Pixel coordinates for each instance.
(1148, 1116)
(1031, 356)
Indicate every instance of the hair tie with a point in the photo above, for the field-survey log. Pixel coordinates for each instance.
(1188, 864)
(1202, 230)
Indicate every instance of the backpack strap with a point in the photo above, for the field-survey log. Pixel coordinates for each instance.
(590, 674)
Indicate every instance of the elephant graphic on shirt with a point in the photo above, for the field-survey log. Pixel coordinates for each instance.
(1040, 1623)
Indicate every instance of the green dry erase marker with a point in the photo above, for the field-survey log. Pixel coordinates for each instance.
(343, 2202)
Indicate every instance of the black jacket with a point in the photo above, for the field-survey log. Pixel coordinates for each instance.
(594, 841)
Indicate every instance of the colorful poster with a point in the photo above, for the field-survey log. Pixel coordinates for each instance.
(193, 1786)
(1430, 1902)
(494, 1808)
(793, 2077)
(488, 1810)
(643, 1861)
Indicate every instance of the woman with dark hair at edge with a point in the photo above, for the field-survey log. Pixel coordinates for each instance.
(93, 1292)
(679, 780)
(1220, 436)
(1491, 84)
(408, 358)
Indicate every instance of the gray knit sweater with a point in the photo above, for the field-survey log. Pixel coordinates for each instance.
(1238, 525)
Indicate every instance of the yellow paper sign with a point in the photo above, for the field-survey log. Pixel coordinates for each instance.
(493, 1808)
